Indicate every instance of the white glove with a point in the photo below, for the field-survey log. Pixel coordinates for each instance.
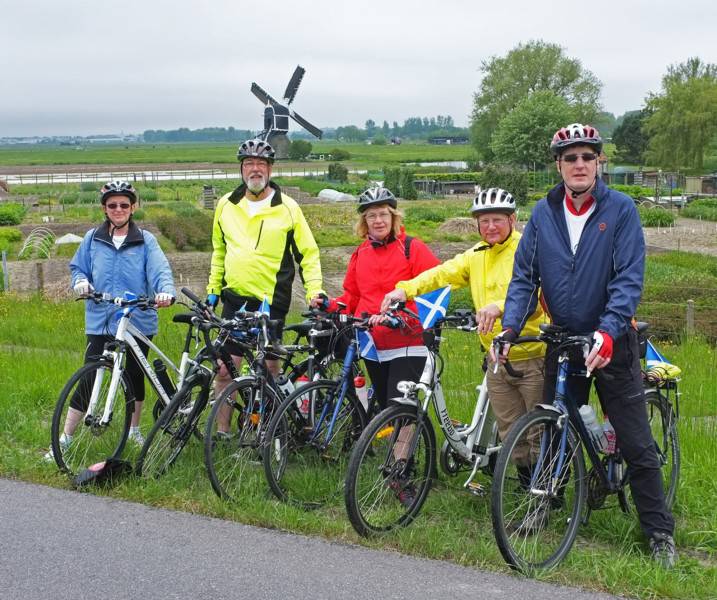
(83, 287)
(163, 299)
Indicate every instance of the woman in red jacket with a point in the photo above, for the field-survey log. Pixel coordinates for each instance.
(387, 255)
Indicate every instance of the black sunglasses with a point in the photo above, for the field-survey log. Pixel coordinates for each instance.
(114, 206)
(586, 156)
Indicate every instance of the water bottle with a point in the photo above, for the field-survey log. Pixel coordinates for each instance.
(361, 391)
(610, 437)
(285, 385)
(594, 428)
(302, 402)
(160, 369)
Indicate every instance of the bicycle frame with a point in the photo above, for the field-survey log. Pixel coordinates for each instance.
(481, 436)
(127, 336)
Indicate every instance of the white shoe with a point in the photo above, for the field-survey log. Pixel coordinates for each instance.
(65, 441)
(135, 435)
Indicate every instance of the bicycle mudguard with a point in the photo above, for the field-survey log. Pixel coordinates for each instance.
(549, 407)
(107, 471)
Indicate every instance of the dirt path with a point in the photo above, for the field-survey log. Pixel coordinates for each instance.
(688, 235)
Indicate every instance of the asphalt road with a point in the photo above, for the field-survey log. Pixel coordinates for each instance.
(57, 544)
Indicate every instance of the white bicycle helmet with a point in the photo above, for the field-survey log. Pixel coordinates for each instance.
(376, 195)
(575, 134)
(493, 200)
(118, 188)
(256, 148)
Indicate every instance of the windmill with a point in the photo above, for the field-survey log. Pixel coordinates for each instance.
(277, 115)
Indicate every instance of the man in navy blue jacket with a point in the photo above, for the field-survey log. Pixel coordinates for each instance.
(584, 249)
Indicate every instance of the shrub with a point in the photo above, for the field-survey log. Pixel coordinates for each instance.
(10, 234)
(337, 172)
(148, 195)
(513, 180)
(187, 233)
(88, 197)
(339, 154)
(408, 190)
(89, 186)
(704, 208)
(379, 140)
(655, 217)
(392, 179)
(11, 214)
(299, 149)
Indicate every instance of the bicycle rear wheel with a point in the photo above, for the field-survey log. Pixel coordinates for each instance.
(307, 452)
(536, 503)
(234, 436)
(92, 441)
(663, 423)
(390, 471)
(175, 426)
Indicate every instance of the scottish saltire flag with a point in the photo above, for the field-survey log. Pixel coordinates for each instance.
(433, 305)
(367, 348)
(264, 308)
(652, 356)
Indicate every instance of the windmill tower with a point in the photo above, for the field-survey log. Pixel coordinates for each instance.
(277, 115)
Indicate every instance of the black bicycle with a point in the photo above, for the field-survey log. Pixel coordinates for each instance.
(541, 484)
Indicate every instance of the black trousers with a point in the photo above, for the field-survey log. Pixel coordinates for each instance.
(95, 347)
(386, 375)
(623, 399)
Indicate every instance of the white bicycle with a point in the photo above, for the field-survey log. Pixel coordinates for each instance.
(99, 399)
(394, 461)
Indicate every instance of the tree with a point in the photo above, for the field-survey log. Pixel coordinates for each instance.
(408, 190)
(338, 173)
(683, 119)
(299, 149)
(630, 139)
(370, 127)
(606, 124)
(386, 129)
(527, 69)
(392, 179)
(514, 181)
(350, 133)
(523, 135)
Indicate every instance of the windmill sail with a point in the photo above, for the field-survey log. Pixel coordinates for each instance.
(262, 95)
(306, 125)
(294, 84)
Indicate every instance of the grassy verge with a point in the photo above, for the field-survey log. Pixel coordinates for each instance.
(40, 346)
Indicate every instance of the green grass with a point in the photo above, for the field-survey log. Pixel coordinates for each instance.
(702, 208)
(453, 525)
(361, 154)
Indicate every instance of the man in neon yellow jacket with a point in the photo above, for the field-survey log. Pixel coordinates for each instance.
(257, 235)
(487, 268)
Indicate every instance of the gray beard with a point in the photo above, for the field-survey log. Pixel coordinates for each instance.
(256, 185)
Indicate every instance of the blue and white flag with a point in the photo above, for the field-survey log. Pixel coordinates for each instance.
(367, 347)
(652, 356)
(265, 308)
(433, 305)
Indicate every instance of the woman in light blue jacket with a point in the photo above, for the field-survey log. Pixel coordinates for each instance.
(115, 258)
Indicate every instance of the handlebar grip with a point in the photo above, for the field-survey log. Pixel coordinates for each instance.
(511, 371)
(191, 295)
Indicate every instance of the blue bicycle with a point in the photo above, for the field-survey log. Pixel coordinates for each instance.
(309, 438)
(541, 484)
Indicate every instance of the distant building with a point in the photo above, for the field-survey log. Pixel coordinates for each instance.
(705, 184)
(447, 141)
(432, 186)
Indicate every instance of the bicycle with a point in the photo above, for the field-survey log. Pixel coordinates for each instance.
(102, 391)
(309, 438)
(236, 426)
(392, 465)
(541, 485)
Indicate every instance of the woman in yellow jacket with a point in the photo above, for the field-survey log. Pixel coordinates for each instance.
(487, 268)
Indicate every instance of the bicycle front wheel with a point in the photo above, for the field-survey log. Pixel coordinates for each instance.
(538, 492)
(390, 471)
(175, 426)
(309, 442)
(234, 436)
(93, 440)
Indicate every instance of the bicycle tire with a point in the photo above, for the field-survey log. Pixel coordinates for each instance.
(234, 461)
(174, 428)
(304, 463)
(536, 525)
(387, 483)
(92, 442)
(663, 423)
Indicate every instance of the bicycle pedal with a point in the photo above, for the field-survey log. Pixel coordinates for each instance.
(476, 488)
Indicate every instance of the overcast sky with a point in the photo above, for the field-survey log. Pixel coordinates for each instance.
(105, 66)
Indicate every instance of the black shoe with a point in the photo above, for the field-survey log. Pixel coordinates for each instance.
(662, 547)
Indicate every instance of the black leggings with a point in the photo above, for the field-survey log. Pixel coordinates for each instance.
(386, 375)
(94, 349)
